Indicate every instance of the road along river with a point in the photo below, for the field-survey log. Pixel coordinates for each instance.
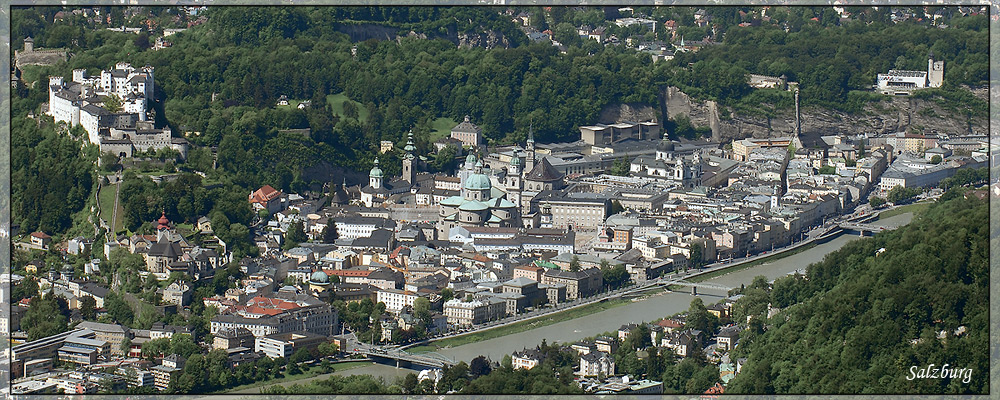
(654, 307)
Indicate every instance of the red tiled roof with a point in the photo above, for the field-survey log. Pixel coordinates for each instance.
(349, 272)
(264, 194)
(271, 303)
(717, 389)
(40, 235)
(259, 310)
(669, 323)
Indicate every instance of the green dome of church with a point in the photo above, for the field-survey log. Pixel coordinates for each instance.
(376, 171)
(319, 277)
(478, 182)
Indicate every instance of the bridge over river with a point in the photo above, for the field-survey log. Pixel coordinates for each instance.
(403, 358)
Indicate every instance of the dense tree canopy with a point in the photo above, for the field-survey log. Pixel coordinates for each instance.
(51, 176)
(222, 78)
(879, 313)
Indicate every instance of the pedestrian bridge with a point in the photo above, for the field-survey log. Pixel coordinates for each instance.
(401, 357)
(861, 227)
(694, 285)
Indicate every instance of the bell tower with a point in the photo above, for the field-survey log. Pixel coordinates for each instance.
(514, 182)
(531, 149)
(409, 172)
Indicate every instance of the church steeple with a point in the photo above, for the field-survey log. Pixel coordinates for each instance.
(375, 176)
(409, 172)
(530, 164)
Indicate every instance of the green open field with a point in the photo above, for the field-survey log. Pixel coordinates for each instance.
(311, 372)
(291, 104)
(107, 202)
(915, 208)
(442, 128)
(522, 326)
(337, 102)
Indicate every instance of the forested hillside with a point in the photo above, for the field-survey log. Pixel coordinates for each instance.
(864, 317)
(51, 175)
(219, 82)
(248, 57)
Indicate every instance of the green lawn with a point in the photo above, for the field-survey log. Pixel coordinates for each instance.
(31, 73)
(311, 372)
(442, 128)
(915, 208)
(107, 203)
(521, 326)
(291, 104)
(337, 102)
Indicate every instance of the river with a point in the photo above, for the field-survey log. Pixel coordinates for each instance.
(654, 307)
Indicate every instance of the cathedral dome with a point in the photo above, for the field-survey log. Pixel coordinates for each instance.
(319, 277)
(478, 182)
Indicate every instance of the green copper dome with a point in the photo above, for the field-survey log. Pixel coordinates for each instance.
(478, 182)
(319, 277)
(376, 171)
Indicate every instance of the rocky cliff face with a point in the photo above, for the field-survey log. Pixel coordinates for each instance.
(895, 115)
(627, 112)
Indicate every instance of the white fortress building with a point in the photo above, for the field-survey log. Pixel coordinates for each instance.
(902, 83)
(83, 102)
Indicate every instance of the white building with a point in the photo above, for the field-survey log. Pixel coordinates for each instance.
(900, 82)
(361, 227)
(527, 359)
(286, 344)
(597, 363)
(465, 313)
(82, 101)
(395, 300)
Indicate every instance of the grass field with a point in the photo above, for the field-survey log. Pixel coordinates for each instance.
(337, 102)
(520, 326)
(291, 104)
(107, 203)
(312, 372)
(442, 127)
(915, 208)
(31, 73)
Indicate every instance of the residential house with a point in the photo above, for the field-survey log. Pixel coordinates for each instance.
(266, 198)
(727, 338)
(527, 358)
(40, 240)
(597, 363)
(178, 293)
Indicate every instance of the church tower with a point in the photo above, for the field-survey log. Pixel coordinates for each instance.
(409, 172)
(375, 176)
(531, 149)
(514, 182)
